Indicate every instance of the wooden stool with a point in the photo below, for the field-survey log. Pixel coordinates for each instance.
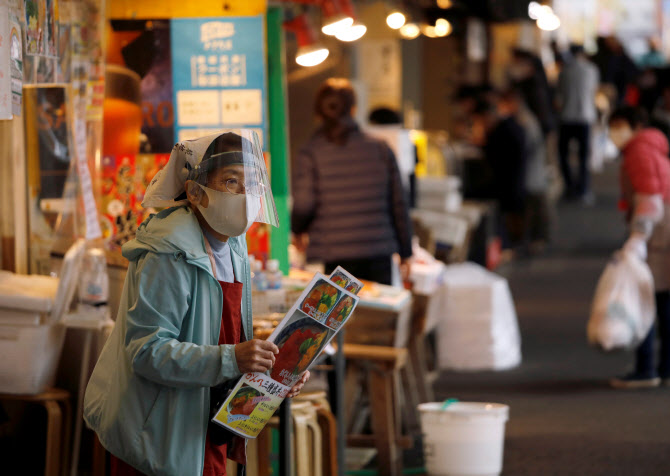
(382, 366)
(328, 426)
(56, 402)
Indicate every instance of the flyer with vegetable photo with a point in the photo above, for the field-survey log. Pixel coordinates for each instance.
(322, 309)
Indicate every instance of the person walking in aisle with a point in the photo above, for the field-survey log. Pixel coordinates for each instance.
(576, 91)
(645, 189)
(348, 199)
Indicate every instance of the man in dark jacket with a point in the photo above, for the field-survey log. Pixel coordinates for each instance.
(504, 144)
(347, 193)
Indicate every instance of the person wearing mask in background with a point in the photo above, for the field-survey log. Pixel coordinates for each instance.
(183, 332)
(576, 93)
(504, 144)
(536, 214)
(645, 188)
(527, 75)
(349, 208)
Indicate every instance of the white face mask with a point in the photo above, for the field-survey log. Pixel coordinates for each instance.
(621, 136)
(228, 213)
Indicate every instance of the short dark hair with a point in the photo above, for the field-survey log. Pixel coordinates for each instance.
(576, 49)
(336, 86)
(634, 116)
(384, 115)
(485, 107)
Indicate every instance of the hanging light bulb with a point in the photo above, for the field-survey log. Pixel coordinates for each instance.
(395, 20)
(429, 31)
(311, 55)
(310, 52)
(549, 22)
(409, 31)
(442, 27)
(353, 33)
(335, 19)
(444, 4)
(534, 10)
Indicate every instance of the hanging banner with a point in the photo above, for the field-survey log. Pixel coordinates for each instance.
(218, 73)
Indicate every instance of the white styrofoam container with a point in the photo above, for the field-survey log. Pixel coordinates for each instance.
(478, 329)
(31, 331)
(29, 357)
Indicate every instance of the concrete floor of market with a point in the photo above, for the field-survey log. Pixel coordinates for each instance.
(564, 419)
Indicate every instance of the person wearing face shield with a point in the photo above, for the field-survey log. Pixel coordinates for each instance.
(183, 333)
(645, 188)
(349, 206)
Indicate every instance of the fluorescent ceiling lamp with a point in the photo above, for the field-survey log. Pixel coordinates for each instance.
(395, 20)
(311, 55)
(549, 22)
(442, 27)
(409, 31)
(353, 33)
(337, 25)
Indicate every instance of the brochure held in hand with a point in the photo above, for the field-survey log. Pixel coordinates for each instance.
(315, 318)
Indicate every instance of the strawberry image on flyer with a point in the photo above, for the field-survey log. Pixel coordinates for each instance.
(320, 300)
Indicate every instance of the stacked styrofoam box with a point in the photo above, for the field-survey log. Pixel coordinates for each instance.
(479, 329)
(439, 193)
(30, 345)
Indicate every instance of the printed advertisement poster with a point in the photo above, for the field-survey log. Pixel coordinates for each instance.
(219, 75)
(322, 309)
(143, 46)
(16, 65)
(124, 181)
(34, 27)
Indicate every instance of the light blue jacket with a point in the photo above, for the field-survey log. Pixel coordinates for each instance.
(148, 397)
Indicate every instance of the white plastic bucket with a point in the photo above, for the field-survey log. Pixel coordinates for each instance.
(465, 439)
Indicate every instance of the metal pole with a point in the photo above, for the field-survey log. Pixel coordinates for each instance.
(339, 402)
(285, 438)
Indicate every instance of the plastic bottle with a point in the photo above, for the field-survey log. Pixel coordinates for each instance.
(274, 276)
(93, 279)
(260, 281)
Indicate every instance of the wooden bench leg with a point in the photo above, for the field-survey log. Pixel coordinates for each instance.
(54, 435)
(380, 388)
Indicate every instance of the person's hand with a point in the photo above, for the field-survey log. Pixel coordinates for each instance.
(636, 245)
(300, 242)
(405, 269)
(255, 355)
(297, 388)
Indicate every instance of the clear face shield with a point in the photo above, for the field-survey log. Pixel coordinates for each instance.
(231, 185)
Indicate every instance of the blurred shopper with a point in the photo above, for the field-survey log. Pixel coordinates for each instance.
(620, 69)
(536, 210)
(347, 194)
(504, 145)
(527, 75)
(660, 115)
(576, 93)
(652, 58)
(645, 187)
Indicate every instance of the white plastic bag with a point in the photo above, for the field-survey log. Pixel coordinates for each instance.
(624, 308)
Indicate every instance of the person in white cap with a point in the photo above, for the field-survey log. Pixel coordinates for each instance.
(184, 327)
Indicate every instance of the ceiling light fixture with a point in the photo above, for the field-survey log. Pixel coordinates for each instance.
(310, 52)
(335, 19)
(395, 20)
(409, 31)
